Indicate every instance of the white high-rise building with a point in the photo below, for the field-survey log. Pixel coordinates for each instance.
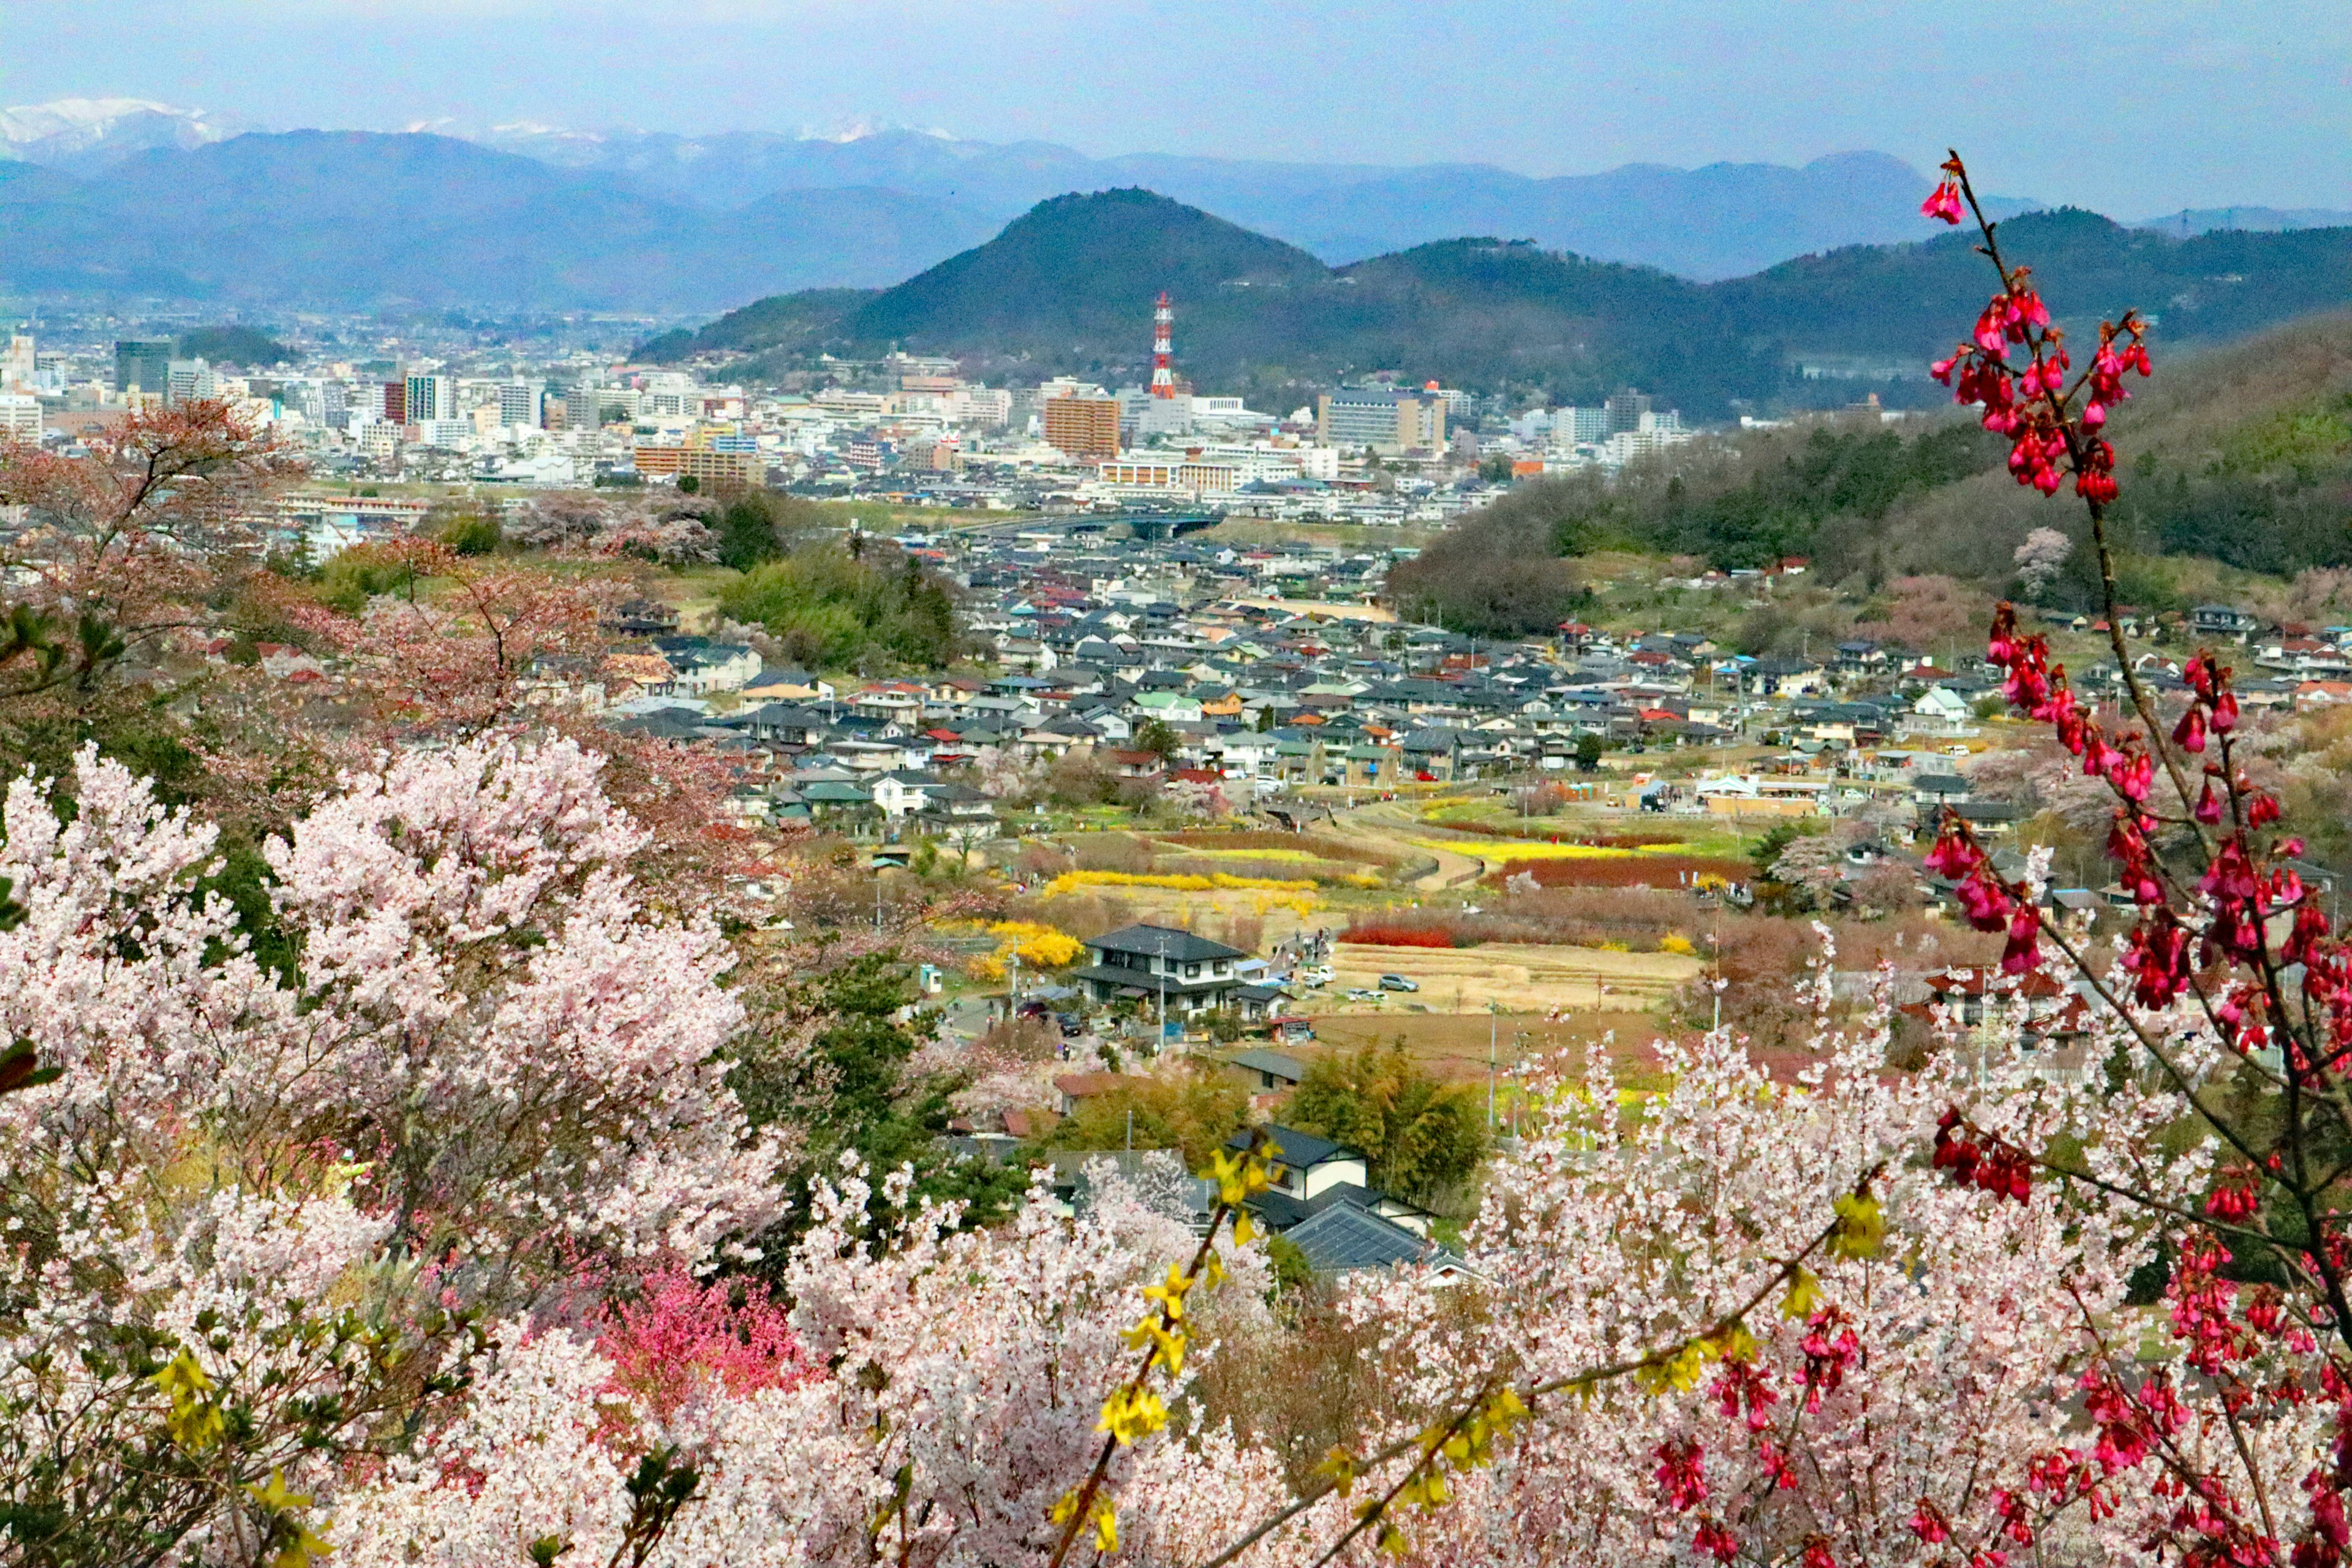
(20, 417)
(188, 380)
(519, 402)
(20, 364)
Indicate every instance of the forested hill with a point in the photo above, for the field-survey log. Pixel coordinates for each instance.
(1069, 286)
(2239, 456)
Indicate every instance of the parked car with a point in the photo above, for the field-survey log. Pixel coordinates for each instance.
(1398, 982)
(1071, 1024)
(1361, 996)
(1320, 975)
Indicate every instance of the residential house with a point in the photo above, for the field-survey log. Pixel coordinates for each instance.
(700, 666)
(1344, 1237)
(2222, 621)
(1190, 973)
(775, 684)
(1310, 1173)
(1264, 1071)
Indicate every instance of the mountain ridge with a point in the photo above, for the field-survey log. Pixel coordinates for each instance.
(1719, 220)
(370, 218)
(1068, 288)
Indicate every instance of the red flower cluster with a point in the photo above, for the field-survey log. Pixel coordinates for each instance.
(1740, 1385)
(2204, 1303)
(1980, 1159)
(2237, 1195)
(1829, 1343)
(1681, 1473)
(1989, 903)
(2030, 400)
(1944, 201)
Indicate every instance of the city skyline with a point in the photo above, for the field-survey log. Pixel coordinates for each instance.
(2160, 107)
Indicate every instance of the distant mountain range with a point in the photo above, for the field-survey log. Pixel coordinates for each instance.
(1067, 287)
(357, 218)
(86, 134)
(1719, 221)
(116, 197)
(123, 201)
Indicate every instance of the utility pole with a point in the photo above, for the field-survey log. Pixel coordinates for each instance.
(1490, 1067)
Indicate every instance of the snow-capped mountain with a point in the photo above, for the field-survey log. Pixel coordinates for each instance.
(90, 133)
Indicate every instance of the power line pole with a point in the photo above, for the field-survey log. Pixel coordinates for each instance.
(1490, 1067)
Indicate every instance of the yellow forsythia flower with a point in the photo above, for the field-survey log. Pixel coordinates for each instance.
(1679, 1373)
(1804, 1296)
(1105, 1526)
(194, 1422)
(1170, 1296)
(1132, 1414)
(1861, 1228)
(1735, 1343)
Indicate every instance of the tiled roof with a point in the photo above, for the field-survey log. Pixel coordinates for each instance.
(1344, 1237)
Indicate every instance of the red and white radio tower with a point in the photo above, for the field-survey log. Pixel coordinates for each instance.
(1164, 378)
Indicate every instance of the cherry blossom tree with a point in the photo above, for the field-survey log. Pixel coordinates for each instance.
(2040, 559)
(121, 541)
(255, 1226)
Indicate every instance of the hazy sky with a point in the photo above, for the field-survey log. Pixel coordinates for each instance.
(2134, 107)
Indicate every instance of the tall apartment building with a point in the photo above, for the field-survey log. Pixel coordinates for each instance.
(186, 380)
(396, 402)
(20, 417)
(1379, 417)
(990, 405)
(19, 363)
(710, 469)
(1625, 410)
(144, 365)
(430, 397)
(1579, 424)
(518, 405)
(1081, 426)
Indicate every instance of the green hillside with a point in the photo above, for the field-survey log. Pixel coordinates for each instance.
(2236, 459)
(233, 345)
(1068, 287)
(781, 323)
(1083, 270)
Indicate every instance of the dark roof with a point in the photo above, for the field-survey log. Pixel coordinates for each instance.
(1164, 941)
(1344, 1237)
(1273, 1062)
(1299, 1150)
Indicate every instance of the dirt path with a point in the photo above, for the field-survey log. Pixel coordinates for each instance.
(1391, 828)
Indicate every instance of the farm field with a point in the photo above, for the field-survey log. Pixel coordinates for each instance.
(1520, 978)
(1454, 1045)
